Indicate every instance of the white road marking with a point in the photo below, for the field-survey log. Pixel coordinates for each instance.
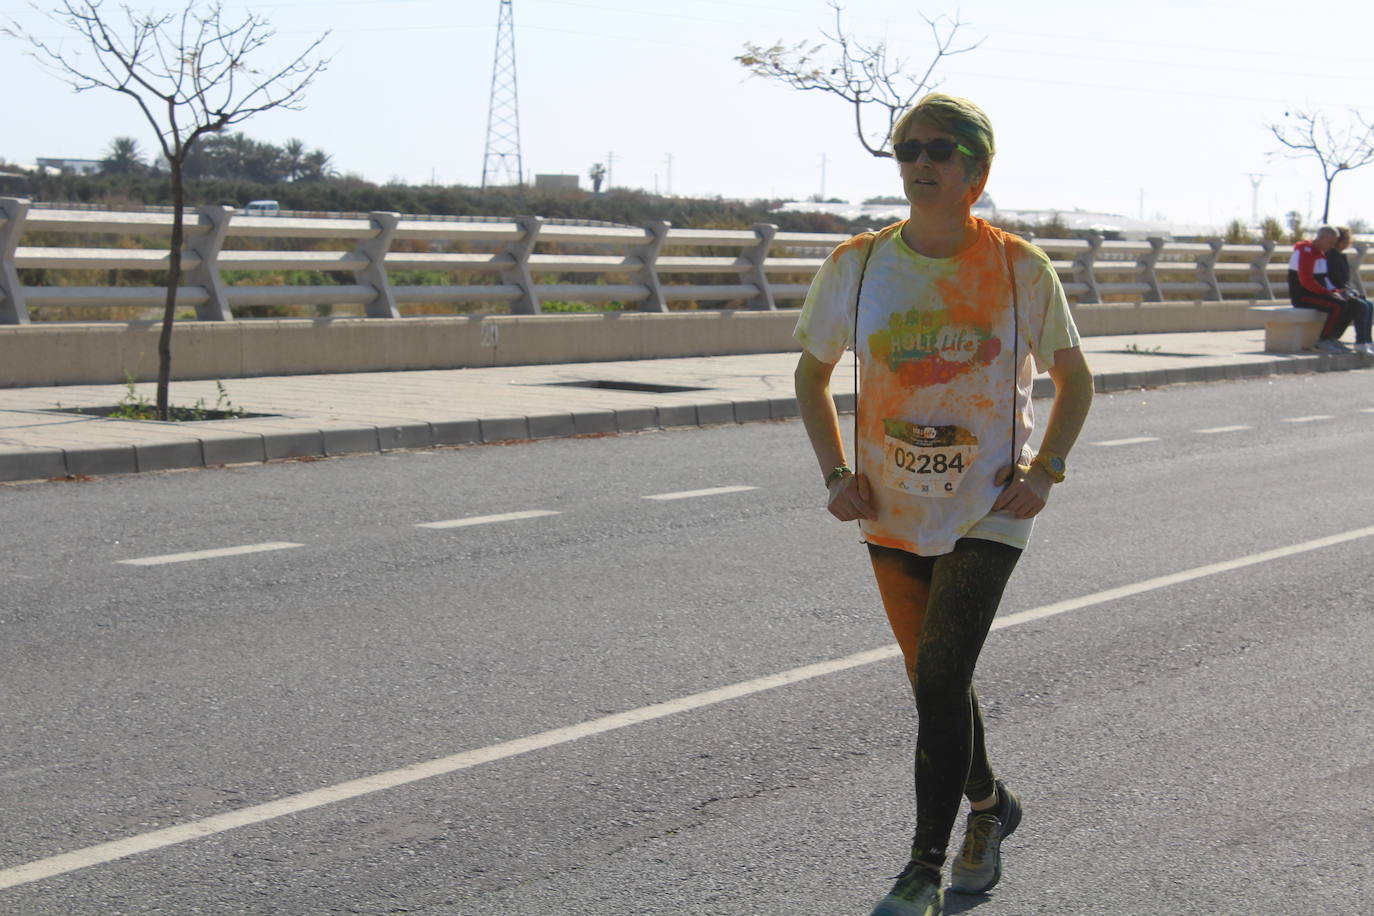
(1309, 419)
(210, 554)
(1136, 441)
(1187, 575)
(292, 804)
(487, 519)
(688, 494)
(1367, 410)
(1222, 429)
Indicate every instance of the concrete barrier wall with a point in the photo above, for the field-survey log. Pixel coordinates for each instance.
(72, 353)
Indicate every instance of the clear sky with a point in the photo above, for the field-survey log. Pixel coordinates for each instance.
(1138, 108)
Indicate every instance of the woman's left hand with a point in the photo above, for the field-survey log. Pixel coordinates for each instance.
(1025, 490)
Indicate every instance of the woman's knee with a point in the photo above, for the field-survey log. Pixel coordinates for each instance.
(938, 696)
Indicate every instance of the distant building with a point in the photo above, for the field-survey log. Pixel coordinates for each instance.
(14, 183)
(558, 184)
(76, 166)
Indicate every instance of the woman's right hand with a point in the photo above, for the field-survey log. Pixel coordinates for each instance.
(851, 498)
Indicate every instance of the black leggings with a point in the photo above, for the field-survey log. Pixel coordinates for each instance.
(941, 609)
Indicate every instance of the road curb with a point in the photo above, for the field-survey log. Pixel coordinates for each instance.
(205, 448)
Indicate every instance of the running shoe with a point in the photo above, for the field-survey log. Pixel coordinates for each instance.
(1365, 347)
(979, 865)
(1331, 346)
(916, 893)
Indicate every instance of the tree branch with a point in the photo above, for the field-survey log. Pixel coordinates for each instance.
(859, 73)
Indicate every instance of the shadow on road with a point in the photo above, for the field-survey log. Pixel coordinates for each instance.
(963, 903)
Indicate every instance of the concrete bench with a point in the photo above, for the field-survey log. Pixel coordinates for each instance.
(1288, 329)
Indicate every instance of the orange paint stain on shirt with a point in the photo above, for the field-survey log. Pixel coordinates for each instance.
(979, 293)
(982, 402)
(858, 241)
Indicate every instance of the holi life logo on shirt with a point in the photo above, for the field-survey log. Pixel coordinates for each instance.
(924, 347)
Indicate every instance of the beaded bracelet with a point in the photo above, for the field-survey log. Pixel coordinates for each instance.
(837, 473)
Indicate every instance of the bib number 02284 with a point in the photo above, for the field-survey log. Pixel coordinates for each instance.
(926, 461)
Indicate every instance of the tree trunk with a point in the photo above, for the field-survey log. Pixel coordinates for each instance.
(164, 341)
(1326, 204)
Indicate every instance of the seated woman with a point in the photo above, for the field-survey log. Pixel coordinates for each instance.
(1338, 273)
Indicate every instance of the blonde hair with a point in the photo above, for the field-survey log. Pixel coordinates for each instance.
(962, 119)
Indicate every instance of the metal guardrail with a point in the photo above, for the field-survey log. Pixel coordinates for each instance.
(526, 261)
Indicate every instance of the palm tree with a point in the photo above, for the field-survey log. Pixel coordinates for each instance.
(123, 158)
(317, 167)
(293, 159)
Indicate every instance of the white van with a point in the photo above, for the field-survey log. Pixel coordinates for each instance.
(261, 208)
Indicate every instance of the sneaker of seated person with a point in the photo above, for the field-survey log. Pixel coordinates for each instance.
(1327, 345)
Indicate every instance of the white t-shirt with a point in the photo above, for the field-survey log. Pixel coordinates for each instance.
(946, 367)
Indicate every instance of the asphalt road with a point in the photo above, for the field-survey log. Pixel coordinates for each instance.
(1192, 744)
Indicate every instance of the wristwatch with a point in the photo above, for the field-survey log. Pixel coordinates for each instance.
(1053, 465)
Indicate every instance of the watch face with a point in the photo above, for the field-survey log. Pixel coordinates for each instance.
(1057, 465)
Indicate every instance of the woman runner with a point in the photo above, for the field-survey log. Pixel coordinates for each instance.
(948, 317)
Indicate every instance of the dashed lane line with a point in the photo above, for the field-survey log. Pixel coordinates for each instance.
(210, 554)
(689, 494)
(1312, 418)
(305, 801)
(1108, 443)
(488, 519)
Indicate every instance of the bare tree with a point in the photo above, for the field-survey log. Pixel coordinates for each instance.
(190, 75)
(1337, 150)
(861, 74)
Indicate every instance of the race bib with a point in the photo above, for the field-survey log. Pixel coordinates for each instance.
(926, 460)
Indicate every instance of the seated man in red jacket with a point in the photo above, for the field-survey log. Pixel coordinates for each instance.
(1309, 287)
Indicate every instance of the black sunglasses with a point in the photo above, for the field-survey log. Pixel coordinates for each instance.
(939, 150)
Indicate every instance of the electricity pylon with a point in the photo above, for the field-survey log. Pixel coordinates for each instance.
(502, 163)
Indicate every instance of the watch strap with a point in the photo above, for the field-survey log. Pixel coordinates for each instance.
(1053, 465)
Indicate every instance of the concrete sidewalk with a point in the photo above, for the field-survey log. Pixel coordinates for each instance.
(327, 415)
